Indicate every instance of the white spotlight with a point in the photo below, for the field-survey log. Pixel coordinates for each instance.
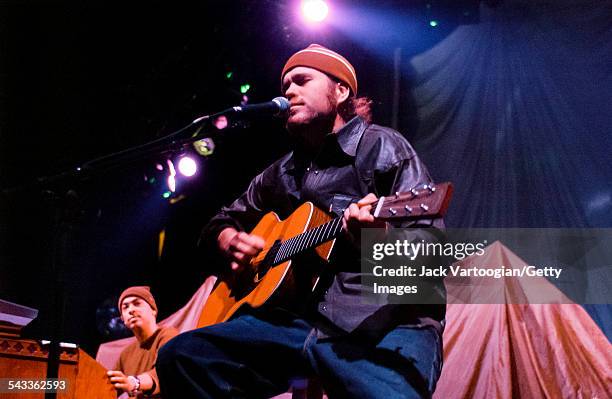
(187, 166)
(314, 10)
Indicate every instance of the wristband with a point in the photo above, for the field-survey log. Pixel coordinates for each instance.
(136, 381)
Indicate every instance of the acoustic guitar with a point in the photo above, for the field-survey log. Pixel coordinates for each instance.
(272, 277)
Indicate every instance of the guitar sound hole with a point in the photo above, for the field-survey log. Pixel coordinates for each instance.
(268, 261)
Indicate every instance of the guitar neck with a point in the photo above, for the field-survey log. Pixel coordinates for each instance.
(427, 202)
(310, 239)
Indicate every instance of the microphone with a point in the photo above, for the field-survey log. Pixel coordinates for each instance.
(277, 107)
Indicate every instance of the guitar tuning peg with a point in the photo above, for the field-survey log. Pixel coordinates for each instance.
(430, 187)
(408, 209)
(414, 192)
(392, 211)
(397, 194)
(424, 207)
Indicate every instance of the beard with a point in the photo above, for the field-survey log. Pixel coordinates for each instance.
(309, 128)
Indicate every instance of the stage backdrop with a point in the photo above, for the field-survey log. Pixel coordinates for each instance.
(516, 111)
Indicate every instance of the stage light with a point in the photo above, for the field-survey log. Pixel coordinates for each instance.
(314, 10)
(171, 184)
(221, 122)
(244, 88)
(187, 166)
(206, 146)
(433, 23)
(171, 177)
(229, 75)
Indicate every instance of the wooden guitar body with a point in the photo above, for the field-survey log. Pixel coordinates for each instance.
(308, 234)
(265, 282)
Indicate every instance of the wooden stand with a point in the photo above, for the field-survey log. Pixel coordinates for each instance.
(27, 359)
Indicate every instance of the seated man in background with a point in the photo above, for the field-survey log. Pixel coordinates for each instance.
(135, 373)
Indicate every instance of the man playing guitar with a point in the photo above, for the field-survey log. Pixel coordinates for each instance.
(342, 164)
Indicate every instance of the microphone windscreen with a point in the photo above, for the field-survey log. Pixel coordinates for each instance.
(283, 104)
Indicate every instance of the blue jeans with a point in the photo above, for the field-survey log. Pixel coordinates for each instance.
(257, 356)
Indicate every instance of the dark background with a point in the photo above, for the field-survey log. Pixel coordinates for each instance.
(509, 100)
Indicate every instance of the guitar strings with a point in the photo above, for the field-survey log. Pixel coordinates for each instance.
(264, 252)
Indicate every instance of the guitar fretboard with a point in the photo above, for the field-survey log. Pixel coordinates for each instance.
(308, 239)
(428, 203)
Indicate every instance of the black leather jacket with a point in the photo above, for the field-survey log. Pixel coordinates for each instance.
(357, 160)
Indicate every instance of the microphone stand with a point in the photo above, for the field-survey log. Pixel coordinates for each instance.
(64, 210)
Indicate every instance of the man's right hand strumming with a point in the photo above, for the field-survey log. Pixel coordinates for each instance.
(240, 247)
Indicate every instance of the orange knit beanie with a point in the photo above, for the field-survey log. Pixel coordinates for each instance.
(324, 60)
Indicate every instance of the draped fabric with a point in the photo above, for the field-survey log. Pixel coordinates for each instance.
(522, 350)
(516, 111)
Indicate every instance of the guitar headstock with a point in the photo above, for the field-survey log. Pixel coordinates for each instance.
(423, 202)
